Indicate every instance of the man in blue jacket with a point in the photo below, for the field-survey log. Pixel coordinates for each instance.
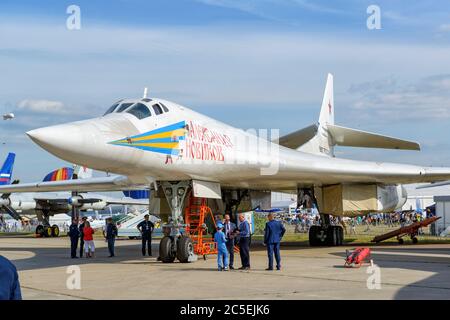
(244, 242)
(74, 235)
(9, 281)
(229, 228)
(273, 233)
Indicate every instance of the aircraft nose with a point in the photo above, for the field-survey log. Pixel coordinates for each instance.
(55, 137)
(67, 141)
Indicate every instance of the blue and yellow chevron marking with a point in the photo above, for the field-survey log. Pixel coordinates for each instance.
(162, 140)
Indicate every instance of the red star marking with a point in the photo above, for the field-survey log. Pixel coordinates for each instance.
(329, 107)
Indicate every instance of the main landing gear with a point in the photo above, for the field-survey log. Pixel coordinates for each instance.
(45, 230)
(326, 236)
(174, 244)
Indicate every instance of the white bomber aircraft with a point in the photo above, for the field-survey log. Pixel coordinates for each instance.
(160, 144)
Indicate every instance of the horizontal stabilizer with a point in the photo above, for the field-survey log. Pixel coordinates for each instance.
(298, 138)
(343, 136)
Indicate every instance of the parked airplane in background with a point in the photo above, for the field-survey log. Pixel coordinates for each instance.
(160, 144)
(44, 205)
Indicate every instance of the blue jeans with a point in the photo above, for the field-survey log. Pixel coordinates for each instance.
(222, 258)
(274, 248)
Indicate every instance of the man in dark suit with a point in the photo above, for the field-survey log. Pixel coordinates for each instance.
(273, 233)
(229, 228)
(244, 242)
(81, 228)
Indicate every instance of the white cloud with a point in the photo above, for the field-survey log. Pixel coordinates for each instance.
(444, 27)
(390, 100)
(42, 106)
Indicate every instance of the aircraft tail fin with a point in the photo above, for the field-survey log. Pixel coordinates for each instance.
(7, 169)
(82, 172)
(321, 143)
(320, 138)
(327, 109)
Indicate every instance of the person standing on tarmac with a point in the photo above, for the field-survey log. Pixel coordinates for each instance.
(74, 235)
(146, 228)
(273, 233)
(110, 234)
(244, 242)
(81, 228)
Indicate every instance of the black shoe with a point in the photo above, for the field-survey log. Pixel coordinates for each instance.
(74, 257)
(111, 256)
(278, 268)
(269, 269)
(231, 268)
(241, 268)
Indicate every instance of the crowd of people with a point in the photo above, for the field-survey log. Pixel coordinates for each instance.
(304, 221)
(228, 234)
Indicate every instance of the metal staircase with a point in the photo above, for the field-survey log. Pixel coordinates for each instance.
(197, 213)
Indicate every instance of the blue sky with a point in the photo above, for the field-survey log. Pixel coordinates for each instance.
(250, 63)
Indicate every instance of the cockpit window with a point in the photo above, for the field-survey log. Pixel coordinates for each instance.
(111, 109)
(157, 109)
(140, 111)
(164, 107)
(123, 106)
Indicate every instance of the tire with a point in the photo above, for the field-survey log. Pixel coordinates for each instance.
(55, 231)
(40, 230)
(400, 241)
(415, 240)
(165, 250)
(313, 241)
(332, 236)
(341, 236)
(47, 232)
(185, 248)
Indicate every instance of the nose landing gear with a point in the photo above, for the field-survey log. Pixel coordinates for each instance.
(175, 244)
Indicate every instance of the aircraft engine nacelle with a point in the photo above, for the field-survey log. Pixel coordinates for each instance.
(94, 206)
(75, 201)
(360, 199)
(391, 198)
(23, 205)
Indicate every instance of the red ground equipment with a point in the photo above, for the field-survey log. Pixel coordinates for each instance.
(411, 230)
(357, 257)
(197, 213)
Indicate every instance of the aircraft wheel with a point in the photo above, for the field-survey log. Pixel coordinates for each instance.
(185, 248)
(40, 230)
(55, 231)
(415, 240)
(165, 250)
(341, 235)
(332, 236)
(313, 240)
(400, 241)
(47, 232)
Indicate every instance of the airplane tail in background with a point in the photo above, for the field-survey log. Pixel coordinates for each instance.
(321, 137)
(67, 173)
(7, 169)
(82, 172)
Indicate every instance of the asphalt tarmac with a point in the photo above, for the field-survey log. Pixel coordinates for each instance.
(401, 272)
